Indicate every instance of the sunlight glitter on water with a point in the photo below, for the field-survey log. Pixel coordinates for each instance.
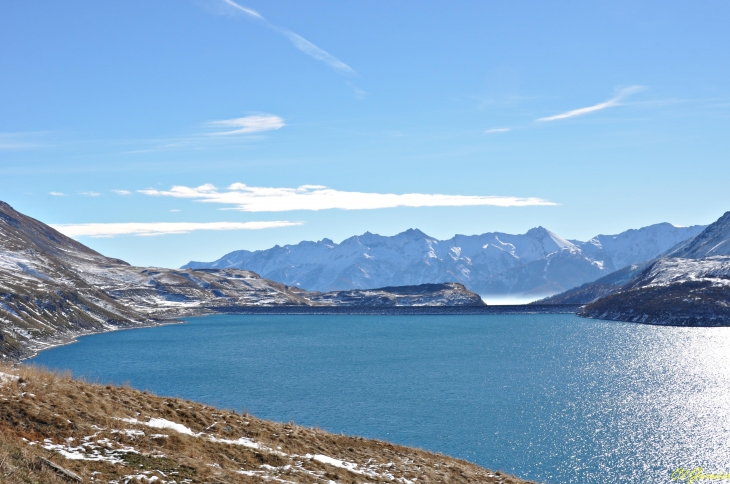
(552, 398)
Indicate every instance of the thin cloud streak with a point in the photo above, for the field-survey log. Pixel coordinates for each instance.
(315, 52)
(497, 130)
(142, 229)
(19, 141)
(122, 192)
(245, 10)
(297, 41)
(57, 194)
(317, 197)
(597, 107)
(248, 124)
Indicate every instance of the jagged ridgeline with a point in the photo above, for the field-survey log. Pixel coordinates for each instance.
(53, 289)
(536, 264)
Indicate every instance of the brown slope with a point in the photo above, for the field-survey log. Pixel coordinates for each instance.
(103, 428)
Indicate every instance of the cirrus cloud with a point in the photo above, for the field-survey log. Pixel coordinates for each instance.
(162, 228)
(247, 125)
(297, 40)
(615, 101)
(316, 197)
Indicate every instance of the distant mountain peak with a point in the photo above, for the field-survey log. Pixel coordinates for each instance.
(414, 233)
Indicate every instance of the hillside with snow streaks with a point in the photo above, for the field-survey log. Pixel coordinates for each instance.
(53, 289)
(689, 287)
(535, 264)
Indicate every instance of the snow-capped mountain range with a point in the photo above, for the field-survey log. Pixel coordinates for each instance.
(535, 264)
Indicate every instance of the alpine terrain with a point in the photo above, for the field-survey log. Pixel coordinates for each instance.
(53, 289)
(688, 287)
(535, 264)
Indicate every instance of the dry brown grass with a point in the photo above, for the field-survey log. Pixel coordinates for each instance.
(48, 409)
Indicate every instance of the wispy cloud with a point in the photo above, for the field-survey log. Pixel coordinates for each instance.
(57, 194)
(315, 52)
(249, 124)
(19, 141)
(122, 192)
(317, 197)
(162, 228)
(247, 11)
(615, 101)
(497, 130)
(297, 40)
(359, 93)
(90, 194)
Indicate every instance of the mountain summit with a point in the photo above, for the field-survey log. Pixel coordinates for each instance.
(537, 263)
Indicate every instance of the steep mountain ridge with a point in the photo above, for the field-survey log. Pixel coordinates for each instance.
(535, 264)
(53, 289)
(689, 287)
(714, 240)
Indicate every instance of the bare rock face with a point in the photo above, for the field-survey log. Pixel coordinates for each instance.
(53, 289)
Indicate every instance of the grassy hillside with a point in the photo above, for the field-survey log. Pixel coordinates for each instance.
(57, 429)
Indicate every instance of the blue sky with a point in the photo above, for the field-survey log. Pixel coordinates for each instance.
(305, 120)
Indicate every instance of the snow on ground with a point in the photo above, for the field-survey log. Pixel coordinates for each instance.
(7, 378)
(88, 449)
(373, 470)
(674, 270)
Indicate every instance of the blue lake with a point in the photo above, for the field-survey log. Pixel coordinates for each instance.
(553, 398)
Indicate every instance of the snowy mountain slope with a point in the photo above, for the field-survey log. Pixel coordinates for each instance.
(537, 263)
(53, 289)
(673, 270)
(636, 246)
(603, 286)
(690, 287)
(672, 291)
(715, 240)
(608, 284)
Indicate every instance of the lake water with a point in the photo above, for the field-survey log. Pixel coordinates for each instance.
(553, 398)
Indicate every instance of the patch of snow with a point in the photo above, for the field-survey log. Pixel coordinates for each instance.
(244, 441)
(7, 378)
